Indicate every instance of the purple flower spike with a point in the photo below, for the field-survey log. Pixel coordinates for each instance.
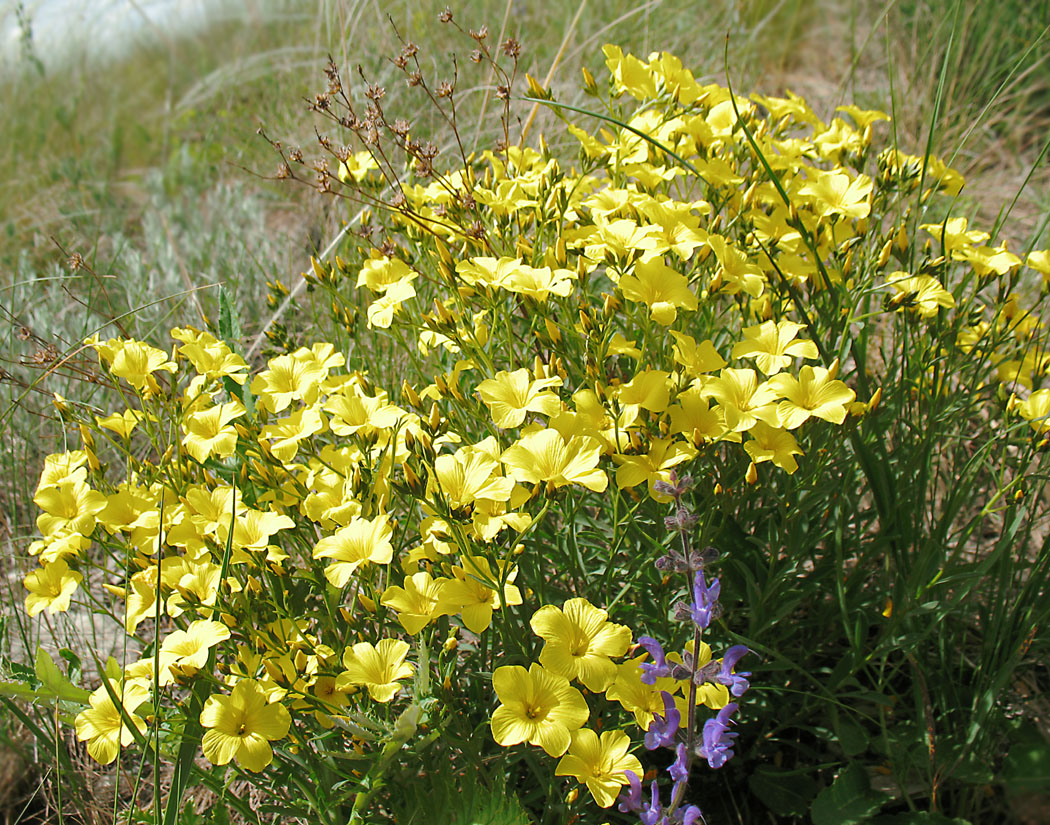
(654, 813)
(662, 729)
(679, 769)
(692, 816)
(705, 600)
(657, 668)
(633, 800)
(736, 682)
(717, 747)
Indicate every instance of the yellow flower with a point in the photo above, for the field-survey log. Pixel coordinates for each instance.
(648, 389)
(834, 193)
(288, 432)
(357, 166)
(988, 259)
(474, 592)
(471, 474)
(579, 641)
(539, 283)
(487, 271)
(102, 725)
(744, 400)
(537, 707)
(629, 73)
(636, 696)
(352, 412)
(621, 239)
(813, 393)
(362, 540)
(377, 667)
(510, 395)
(545, 456)
(253, 530)
(697, 359)
(739, 274)
(242, 725)
(692, 417)
(121, 423)
(660, 288)
(209, 432)
(51, 586)
(210, 357)
(773, 444)
(189, 648)
(600, 764)
(923, 293)
(773, 345)
(1039, 260)
(664, 453)
(416, 602)
(955, 236)
(70, 506)
(381, 311)
(60, 467)
(286, 379)
(136, 362)
(1035, 410)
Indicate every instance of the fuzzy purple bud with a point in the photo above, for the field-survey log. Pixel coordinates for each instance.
(717, 747)
(705, 600)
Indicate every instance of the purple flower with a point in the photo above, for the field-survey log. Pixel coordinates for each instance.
(705, 600)
(654, 813)
(736, 682)
(662, 729)
(657, 668)
(692, 815)
(679, 769)
(717, 747)
(633, 800)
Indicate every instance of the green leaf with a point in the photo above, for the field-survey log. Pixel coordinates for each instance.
(19, 689)
(784, 792)
(1027, 764)
(53, 682)
(851, 734)
(230, 332)
(917, 818)
(848, 800)
(229, 323)
(74, 666)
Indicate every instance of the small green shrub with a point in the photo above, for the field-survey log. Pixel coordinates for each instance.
(727, 335)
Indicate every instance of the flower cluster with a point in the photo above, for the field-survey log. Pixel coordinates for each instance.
(561, 341)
